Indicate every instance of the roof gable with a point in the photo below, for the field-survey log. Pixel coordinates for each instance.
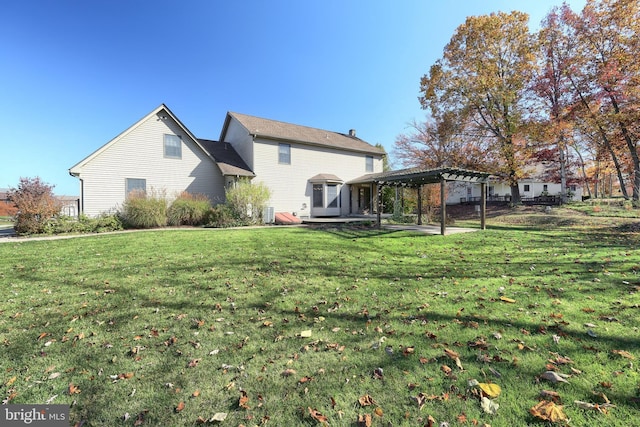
(161, 111)
(281, 131)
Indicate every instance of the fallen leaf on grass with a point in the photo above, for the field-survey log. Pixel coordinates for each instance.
(378, 412)
(488, 406)
(193, 363)
(506, 299)
(180, 407)
(243, 402)
(366, 400)
(602, 408)
(548, 411)
(288, 372)
(305, 334)
(364, 420)
(491, 390)
(624, 354)
(73, 389)
(10, 381)
(195, 393)
(554, 377)
(219, 417)
(317, 415)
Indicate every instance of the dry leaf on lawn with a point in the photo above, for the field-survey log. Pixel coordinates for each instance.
(317, 415)
(602, 408)
(554, 377)
(488, 406)
(491, 390)
(366, 400)
(623, 353)
(243, 402)
(364, 420)
(548, 411)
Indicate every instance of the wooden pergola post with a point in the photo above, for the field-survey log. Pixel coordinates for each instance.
(443, 206)
(419, 204)
(379, 203)
(483, 205)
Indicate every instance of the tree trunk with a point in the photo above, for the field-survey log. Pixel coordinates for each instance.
(515, 194)
(563, 172)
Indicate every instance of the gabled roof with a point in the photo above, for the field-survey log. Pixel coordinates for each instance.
(227, 158)
(281, 131)
(159, 111)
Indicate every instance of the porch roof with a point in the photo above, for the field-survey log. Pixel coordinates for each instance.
(415, 177)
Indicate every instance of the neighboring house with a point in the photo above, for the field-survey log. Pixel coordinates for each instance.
(534, 185)
(304, 168)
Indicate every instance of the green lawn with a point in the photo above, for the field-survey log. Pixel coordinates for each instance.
(288, 326)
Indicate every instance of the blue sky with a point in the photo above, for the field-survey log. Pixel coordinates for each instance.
(77, 73)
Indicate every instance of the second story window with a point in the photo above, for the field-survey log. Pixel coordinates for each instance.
(368, 164)
(284, 154)
(172, 146)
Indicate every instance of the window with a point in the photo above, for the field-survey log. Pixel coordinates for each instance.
(284, 154)
(545, 187)
(172, 146)
(527, 188)
(318, 196)
(136, 184)
(368, 164)
(332, 196)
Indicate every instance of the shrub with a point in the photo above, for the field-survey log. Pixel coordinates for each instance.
(247, 201)
(35, 204)
(84, 224)
(188, 209)
(142, 210)
(221, 216)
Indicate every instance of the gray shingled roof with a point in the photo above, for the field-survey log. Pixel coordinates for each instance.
(227, 158)
(272, 129)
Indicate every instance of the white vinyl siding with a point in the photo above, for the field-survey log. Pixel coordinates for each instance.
(139, 153)
(290, 188)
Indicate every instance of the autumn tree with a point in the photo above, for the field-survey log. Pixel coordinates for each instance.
(36, 204)
(606, 80)
(481, 79)
(551, 88)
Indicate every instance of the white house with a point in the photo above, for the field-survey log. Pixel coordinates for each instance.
(305, 168)
(535, 185)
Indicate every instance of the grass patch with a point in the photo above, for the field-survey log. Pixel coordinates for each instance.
(172, 326)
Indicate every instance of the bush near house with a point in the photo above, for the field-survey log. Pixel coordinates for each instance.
(84, 224)
(35, 204)
(188, 209)
(142, 210)
(247, 201)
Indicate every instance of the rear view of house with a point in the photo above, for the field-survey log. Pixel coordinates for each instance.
(306, 169)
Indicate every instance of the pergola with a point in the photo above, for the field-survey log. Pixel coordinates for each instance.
(416, 178)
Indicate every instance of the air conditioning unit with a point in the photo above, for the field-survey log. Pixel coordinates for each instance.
(269, 215)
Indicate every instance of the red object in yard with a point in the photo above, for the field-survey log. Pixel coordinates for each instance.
(285, 218)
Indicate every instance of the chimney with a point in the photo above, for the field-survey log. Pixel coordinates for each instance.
(352, 133)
